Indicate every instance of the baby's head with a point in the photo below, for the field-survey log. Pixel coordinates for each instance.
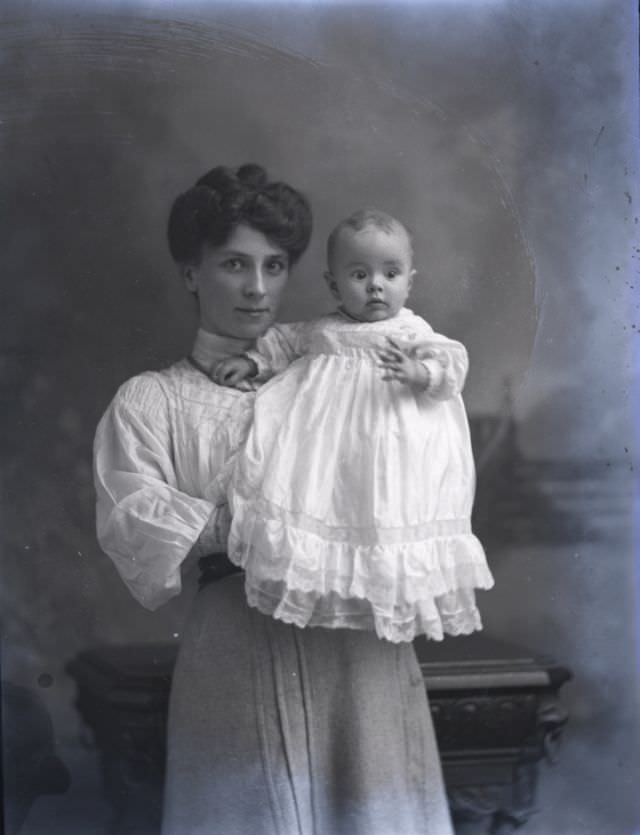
(370, 265)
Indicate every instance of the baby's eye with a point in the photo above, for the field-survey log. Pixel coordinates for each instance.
(393, 272)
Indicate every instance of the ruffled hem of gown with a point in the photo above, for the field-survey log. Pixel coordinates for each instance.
(452, 614)
(400, 590)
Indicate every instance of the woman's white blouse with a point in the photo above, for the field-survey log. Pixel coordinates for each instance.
(160, 451)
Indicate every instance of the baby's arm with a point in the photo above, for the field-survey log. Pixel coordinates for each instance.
(235, 372)
(437, 366)
(447, 363)
(272, 353)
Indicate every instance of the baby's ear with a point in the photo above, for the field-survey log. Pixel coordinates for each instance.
(412, 274)
(331, 283)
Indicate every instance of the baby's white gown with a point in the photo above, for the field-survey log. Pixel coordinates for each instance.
(352, 497)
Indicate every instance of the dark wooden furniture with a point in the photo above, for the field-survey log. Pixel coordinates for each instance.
(495, 709)
(497, 714)
(122, 695)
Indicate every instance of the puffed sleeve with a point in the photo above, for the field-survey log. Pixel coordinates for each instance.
(278, 348)
(446, 360)
(144, 523)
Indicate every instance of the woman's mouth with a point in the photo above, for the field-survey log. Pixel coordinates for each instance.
(253, 312)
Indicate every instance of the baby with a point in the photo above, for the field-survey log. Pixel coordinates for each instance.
(352, 497)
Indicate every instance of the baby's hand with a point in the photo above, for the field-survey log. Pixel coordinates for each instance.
(403, 367)
(234, 372)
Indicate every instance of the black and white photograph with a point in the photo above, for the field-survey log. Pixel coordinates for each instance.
(319, 348)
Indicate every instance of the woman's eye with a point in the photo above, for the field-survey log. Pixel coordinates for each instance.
(233, 265)
(276, 267)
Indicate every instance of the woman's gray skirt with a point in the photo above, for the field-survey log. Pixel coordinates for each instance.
(275, 730)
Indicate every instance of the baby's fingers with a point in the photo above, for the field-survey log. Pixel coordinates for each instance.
(230, 379)
(389, 367)
(387, 355)
(394, 344)
(400, 350)
(390, 378)
(226, 375)
(391, 372)
(217, 373)
(244, 385)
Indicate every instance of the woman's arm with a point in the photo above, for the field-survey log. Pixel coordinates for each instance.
(144, 522)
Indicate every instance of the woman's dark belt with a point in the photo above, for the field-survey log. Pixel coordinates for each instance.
(215, 567)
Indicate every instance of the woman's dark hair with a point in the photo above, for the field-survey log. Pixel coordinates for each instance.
(224, 198)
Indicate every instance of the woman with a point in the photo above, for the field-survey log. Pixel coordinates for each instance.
(273, 730)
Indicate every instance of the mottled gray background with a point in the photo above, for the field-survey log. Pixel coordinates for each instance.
(502, 133)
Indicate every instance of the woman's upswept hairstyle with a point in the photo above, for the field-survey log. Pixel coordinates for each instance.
(223, 199)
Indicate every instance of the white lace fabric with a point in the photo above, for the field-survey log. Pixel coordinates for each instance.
(352, 496)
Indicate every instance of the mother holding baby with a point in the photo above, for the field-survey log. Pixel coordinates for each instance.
(273, 729)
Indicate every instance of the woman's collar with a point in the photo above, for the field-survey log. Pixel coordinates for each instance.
(209, 348)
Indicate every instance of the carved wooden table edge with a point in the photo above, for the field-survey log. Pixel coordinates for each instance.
(495, 707)
(497, 714)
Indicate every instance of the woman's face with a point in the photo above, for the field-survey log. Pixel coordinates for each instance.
(239, 284)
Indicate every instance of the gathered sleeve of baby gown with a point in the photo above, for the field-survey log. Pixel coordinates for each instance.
(447, 362)
(144, 522)
(278, 348)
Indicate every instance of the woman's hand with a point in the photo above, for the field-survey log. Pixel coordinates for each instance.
(398, 364)
(234, 372)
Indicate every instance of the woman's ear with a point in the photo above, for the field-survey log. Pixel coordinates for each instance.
(331, 283)
(189, 274)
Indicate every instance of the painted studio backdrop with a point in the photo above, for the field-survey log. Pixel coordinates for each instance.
(502, 134)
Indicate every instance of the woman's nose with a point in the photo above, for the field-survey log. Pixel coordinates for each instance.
(255, 283)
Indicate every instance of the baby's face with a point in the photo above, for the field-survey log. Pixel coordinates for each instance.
(371, 272)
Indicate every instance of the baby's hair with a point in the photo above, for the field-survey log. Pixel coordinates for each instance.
(361, 219)
(225, 198)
